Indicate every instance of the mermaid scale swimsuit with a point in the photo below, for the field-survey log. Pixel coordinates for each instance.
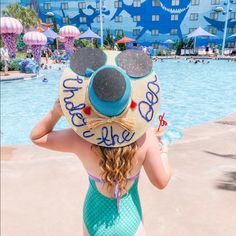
(105, 216)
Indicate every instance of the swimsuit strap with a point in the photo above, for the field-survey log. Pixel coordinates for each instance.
(116, 189)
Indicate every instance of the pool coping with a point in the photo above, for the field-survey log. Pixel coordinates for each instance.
(16, 76)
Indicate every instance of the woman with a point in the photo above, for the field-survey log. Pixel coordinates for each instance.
(110, 135)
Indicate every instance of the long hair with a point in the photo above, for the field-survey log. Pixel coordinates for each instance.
(116, 164)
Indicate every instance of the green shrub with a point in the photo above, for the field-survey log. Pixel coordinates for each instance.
(83, 43)
(14, 65)
(109, 40)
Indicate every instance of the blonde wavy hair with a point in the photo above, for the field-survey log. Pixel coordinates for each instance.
(116, 164)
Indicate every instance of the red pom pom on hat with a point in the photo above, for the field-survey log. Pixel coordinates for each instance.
(87, 110)
(133, 104)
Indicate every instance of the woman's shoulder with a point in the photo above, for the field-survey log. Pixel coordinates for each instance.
(147, 138)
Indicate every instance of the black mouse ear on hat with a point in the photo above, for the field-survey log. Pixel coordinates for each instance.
(135, 63)
(85, 60)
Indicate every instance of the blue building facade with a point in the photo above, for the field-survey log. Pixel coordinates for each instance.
(148, 21)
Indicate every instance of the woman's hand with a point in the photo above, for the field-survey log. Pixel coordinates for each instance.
(44, 127)
(57, 107)
(159, 133)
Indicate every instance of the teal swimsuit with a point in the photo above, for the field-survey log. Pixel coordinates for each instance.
(105, 216)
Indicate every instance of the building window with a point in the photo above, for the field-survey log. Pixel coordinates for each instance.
(98, 4)
(155, 17)
(155, 45)
(117, 4)
(212, 30)
(232, 30)
(174, 17)
(191, 30)
(215, 2)
(47, 6)
(98, 19)
(118, 32)
(65, 20)
(175, 3)
(49, 20)
(214, 15)
(230, 45)
(233, 15)
(137, 3)
(136, 18)
(118, 19)
(82, 20)
(173, 31)
(155, 3)
(136, 32)
(64, 6)
(155, 32)
(195, 2)
(194, 16)
(82, 5)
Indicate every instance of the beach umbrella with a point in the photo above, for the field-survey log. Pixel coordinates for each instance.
(199, 32)
(89, 34)
(9, 28)
(125, 40)
(231, 36)
(36, 40)
(50, 14)
(169, 41)
(50, 34)
(70, 33)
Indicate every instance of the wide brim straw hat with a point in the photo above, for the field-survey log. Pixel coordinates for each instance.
(109, 98)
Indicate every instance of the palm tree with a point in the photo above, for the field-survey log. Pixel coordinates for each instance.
(109, 40)
(27, 16)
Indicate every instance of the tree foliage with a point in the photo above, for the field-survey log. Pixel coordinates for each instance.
(26, 15)
(20, 41)
(109, 40)
(183, 43)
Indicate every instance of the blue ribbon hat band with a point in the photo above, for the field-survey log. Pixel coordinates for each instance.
(98, 90)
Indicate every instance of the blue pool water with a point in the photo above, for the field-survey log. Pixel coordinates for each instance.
(191, 94)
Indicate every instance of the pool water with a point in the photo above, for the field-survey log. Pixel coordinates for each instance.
(191, 94)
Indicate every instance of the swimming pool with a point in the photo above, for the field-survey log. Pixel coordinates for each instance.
(191, 94)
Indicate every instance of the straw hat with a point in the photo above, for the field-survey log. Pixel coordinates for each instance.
(109, 98)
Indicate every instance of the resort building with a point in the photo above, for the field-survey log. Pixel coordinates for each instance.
(148, 21)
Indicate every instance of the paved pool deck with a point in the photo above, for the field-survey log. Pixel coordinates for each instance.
(15, 75)
(43, 191)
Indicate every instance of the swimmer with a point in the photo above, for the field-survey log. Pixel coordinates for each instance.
(45, 80)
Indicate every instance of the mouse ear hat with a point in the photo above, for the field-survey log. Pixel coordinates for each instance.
(109, 98)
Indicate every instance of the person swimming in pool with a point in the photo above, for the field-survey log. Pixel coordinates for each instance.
(110, 134)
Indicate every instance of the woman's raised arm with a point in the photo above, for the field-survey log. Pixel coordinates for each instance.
(63, 140)
(156, 164)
